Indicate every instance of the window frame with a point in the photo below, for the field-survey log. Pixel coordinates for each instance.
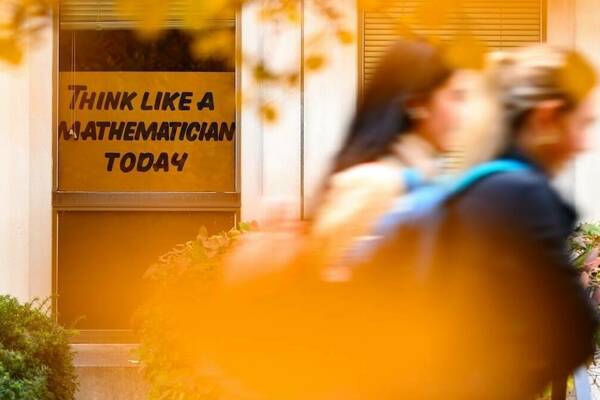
(361, 42)
(229, 202)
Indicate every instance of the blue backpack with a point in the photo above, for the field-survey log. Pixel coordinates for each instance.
(422, 206)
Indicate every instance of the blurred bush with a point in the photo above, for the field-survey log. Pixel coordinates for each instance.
(585, 253)
(20, 21)
(36, 362)
(169, 323)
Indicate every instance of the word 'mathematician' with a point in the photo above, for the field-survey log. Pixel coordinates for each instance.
(157, 103)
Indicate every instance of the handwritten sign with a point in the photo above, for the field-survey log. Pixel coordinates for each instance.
(146, 131)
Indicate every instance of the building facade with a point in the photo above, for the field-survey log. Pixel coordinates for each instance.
(90, 181)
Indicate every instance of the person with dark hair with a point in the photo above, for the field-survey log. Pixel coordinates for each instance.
(408, 113)
(405, 91)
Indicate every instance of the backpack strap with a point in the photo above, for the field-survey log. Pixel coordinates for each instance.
(481, 171)
(469, 178)
(581, 380)
(422, 198)
(412, 179)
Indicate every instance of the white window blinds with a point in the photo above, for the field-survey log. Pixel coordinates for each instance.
(497, 23)
(105, 14)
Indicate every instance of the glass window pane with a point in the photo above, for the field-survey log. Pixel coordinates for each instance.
(102, 257)
(123, 50)
(140, 115)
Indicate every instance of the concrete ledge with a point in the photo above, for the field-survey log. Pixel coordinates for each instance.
(105, 355)
(111, 383)
(108, 372)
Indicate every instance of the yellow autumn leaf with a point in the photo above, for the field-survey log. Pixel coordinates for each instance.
(294, 16)
(196, 13)
(281, 10)
(10, 51)
(150, 14)
(403, 27)
(268, 112)
(314, 62)
(466, 52)
(262, 73)
(577, 77)
(345, 36)
(372, 5)
(292, 10)
(428, 14)
(215, 44)
(434, 13)
(267, 12)
(292, 79)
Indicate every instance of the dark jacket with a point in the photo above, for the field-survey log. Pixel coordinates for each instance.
(508, 306)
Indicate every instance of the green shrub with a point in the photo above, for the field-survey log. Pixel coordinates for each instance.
(585, 254)
(36, 362)
(585, 247)
(168, 322)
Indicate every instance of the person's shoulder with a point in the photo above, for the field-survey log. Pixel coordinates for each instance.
(515, 183)
(523, 197)
(517, 194)
(378, 175)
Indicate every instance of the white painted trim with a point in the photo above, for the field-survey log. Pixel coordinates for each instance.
(14, 180)
(41, 65)
(330, 98)
(560, 22)
(560, 31)
(250, 135)
(26, 172)
(573, 24)
(587, 167)
(270, 152)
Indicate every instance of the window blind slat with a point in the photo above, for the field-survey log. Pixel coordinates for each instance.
(498, 24)
(106, 13)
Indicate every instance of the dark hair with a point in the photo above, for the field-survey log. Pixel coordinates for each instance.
(410, 70)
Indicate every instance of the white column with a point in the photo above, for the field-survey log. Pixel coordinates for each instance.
(573, 24)
(26, 173)
(14, 180)
(330, 96)
(560, 31)
(587, 170)
(270, 151)
(41, 85)
(560, 27)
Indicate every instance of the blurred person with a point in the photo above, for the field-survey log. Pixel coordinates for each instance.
(410, 116)
(408, 119)
(500, 312)
(409, 113)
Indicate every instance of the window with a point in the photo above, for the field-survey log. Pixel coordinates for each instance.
(146, 153)
(497, 23)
